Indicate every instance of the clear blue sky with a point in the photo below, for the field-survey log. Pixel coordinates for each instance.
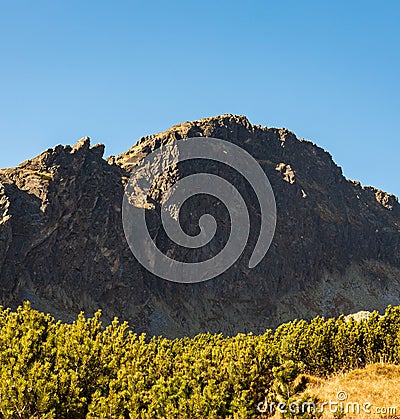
(329, 71)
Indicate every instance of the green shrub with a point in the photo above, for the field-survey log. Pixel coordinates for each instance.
(51, 369)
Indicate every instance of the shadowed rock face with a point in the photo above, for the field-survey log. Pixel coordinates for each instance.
(336, 248)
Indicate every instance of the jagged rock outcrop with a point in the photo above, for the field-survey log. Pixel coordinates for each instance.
(336, 248)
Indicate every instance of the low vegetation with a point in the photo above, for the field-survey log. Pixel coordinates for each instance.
(44, 175)
(51, 369)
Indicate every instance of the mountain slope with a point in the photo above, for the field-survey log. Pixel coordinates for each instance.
(336, 246)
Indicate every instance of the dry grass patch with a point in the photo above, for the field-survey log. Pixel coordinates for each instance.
(374, 389)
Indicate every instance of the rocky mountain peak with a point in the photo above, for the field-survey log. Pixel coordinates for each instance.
(336, 247)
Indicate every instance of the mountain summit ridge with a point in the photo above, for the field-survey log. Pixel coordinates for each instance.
(336, 248)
